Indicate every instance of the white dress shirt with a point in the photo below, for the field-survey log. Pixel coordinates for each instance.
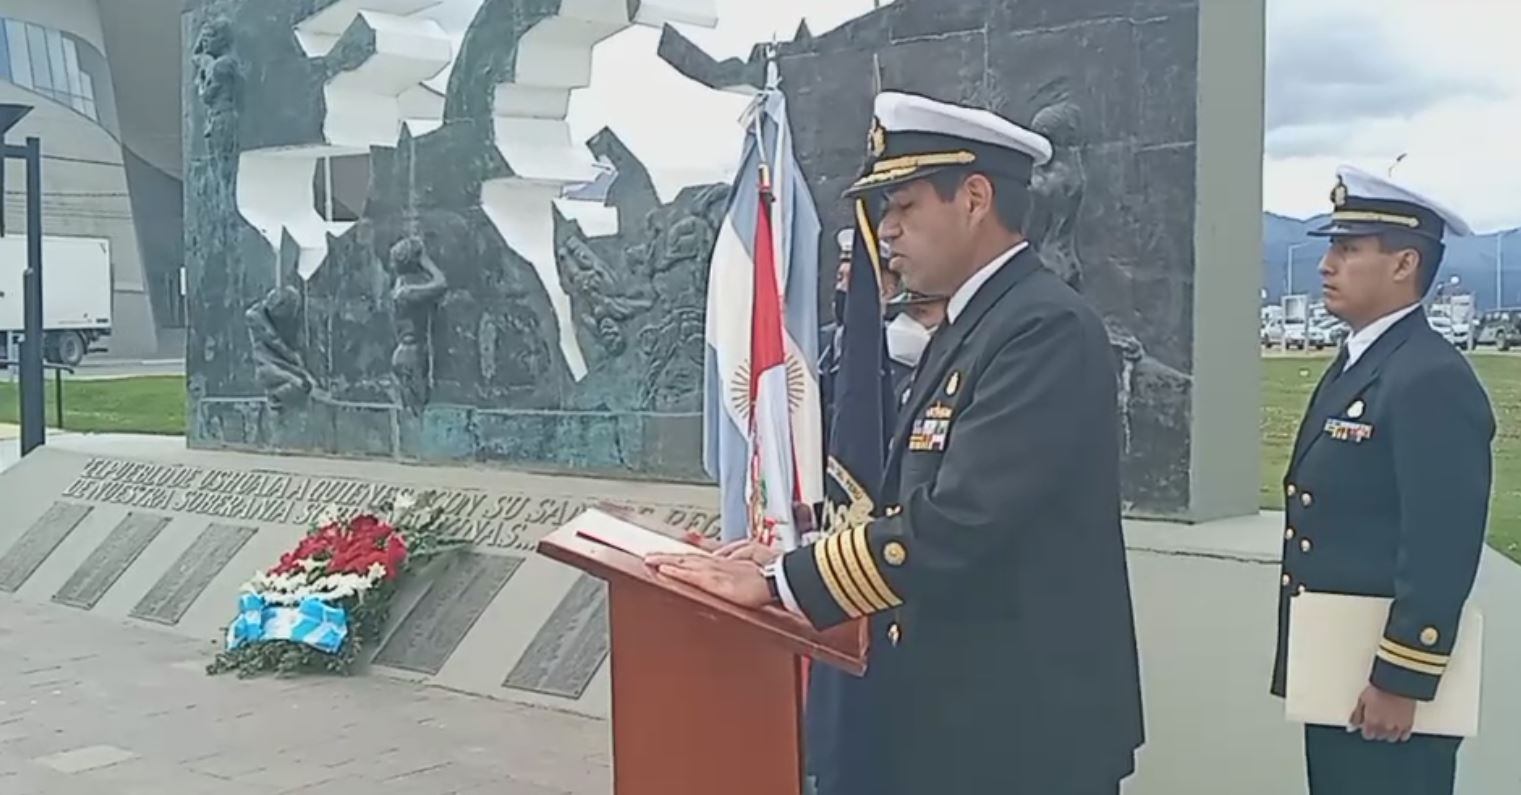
(953, 309)
(969, 288)
(1362, 340)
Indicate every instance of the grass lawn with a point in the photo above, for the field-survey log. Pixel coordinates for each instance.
(1287, 382)
(145, 404)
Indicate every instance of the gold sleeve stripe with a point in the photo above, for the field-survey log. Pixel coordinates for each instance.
(858, 575)
(821, 560)
(873, 574)
(842, 574)
(1410, 665)
(1414, 655)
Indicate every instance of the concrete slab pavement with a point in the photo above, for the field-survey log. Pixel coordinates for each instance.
(1205, 605)
(89, 706)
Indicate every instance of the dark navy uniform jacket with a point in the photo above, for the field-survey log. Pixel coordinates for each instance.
(1003, 657)
(1387, 495)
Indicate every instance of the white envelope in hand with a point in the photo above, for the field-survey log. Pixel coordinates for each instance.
(1332, 642)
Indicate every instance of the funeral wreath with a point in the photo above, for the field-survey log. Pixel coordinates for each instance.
(328, 599)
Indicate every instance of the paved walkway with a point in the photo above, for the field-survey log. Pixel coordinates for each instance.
(89, 706)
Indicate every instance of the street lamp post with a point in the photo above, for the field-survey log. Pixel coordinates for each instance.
(33, 407)
(1289, 268)
(1500, 268)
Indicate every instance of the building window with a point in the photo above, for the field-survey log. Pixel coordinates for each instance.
(47, 62)
(60, 64)
(37, 48)
(21, 64)
(87, 84)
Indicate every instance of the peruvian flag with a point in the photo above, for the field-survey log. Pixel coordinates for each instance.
(773, 481)
(762, 429)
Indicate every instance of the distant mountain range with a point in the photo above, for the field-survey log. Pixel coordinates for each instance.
(1471, 259)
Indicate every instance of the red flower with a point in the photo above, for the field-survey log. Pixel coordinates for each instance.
(396, 555)
(349, 548)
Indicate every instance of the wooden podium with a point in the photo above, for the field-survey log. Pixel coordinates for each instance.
(707, 696)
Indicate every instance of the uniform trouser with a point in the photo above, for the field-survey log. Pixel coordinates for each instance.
(1343, 763)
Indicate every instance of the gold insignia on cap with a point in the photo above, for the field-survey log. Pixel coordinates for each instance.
(1339, 193)
(953, 384)
(894, 553)
(1430, 636)
(876, 139)
(1356, 409)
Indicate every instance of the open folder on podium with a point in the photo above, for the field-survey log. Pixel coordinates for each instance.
(707, 695)
(1333, 640)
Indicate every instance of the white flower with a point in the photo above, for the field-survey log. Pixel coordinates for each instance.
(331, 514)
(377, 572)
(404, 501)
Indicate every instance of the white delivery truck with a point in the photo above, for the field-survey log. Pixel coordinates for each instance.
(1296, 321)
(76, 295)
(1464, 320)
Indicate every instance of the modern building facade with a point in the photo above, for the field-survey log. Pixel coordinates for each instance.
(103, 78)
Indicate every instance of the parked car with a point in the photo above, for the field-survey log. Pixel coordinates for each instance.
(1272, 333)
(1328, 333)
(1500, 328)
(1443, 325)
(1462, 335)
(1294, 334)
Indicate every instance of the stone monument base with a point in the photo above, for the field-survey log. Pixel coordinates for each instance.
(166, 537)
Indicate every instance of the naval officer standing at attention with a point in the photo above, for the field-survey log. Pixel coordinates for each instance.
(1388, 488)
(1003, 655)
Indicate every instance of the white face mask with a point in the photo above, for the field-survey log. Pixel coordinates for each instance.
(906, 340)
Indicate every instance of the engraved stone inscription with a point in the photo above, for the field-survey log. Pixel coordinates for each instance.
(432, 630)
(502, 519)
(570, 647)
(114, 555)
(174, 592)
(39, 541)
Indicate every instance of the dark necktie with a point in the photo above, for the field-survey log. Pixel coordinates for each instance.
(1339, 364)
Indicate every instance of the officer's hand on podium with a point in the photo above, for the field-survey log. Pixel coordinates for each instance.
(1383, 716)
(702, 542)
(745, 549)
(737, 581)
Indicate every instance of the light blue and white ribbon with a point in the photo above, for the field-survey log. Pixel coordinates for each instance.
(314, 623)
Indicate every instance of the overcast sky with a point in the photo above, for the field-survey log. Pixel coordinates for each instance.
(1348, 81)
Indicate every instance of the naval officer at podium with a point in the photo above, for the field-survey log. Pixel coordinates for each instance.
(997, 570)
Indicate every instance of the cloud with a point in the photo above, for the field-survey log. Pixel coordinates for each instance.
(1349, 81)
(1361, 83)
(1342, 75)
(1344, 63)
(632, 89)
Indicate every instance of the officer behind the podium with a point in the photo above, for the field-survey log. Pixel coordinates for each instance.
(996, 573)
(912, 320)
(1387, 491)
(830, 334)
